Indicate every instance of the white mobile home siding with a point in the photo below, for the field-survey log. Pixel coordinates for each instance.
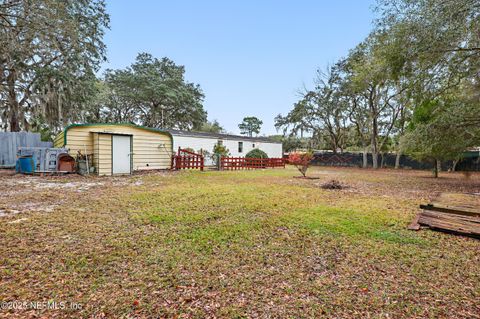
(196, 144)
(272, 149)
(207, 143)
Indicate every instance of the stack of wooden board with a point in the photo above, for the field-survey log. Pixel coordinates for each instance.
(459, 213)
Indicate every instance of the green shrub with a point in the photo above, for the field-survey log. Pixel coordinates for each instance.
(256, 153)
(219, 150)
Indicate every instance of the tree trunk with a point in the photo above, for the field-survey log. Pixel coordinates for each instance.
(14, 124)
(162, 115)
(13, 104)
(435, 168)
(402, 128)
(334, 148)
(374, 137)
(382, 160)
(454, 165)
(397, 160)
(304, 170)
(365, 158)
(374, 159)
(374, 150)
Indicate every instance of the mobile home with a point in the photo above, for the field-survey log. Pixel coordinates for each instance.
(237, 145)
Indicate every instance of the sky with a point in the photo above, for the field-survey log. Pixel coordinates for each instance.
(251, 58)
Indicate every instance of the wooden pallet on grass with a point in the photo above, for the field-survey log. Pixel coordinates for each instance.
(459, 213)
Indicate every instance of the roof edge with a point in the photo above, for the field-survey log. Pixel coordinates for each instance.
(220, 135)
(112, 124)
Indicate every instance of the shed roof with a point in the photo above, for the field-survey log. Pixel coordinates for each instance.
(222, 136)
(114, 124)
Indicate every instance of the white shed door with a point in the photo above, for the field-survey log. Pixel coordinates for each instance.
(121, 154)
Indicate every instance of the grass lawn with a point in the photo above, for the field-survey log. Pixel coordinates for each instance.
(234, 245)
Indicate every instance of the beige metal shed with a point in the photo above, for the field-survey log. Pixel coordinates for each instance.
(118, 148)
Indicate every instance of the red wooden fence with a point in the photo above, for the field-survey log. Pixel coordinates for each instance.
(185, 159)
(235, 163)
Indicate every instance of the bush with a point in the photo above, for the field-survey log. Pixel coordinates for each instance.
(301, 161)
(219, 150)
(256, 153)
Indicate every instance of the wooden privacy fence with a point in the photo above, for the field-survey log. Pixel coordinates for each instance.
(185, 159)
(236, 163)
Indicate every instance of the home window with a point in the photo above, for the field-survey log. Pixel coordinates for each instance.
(240, 147)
